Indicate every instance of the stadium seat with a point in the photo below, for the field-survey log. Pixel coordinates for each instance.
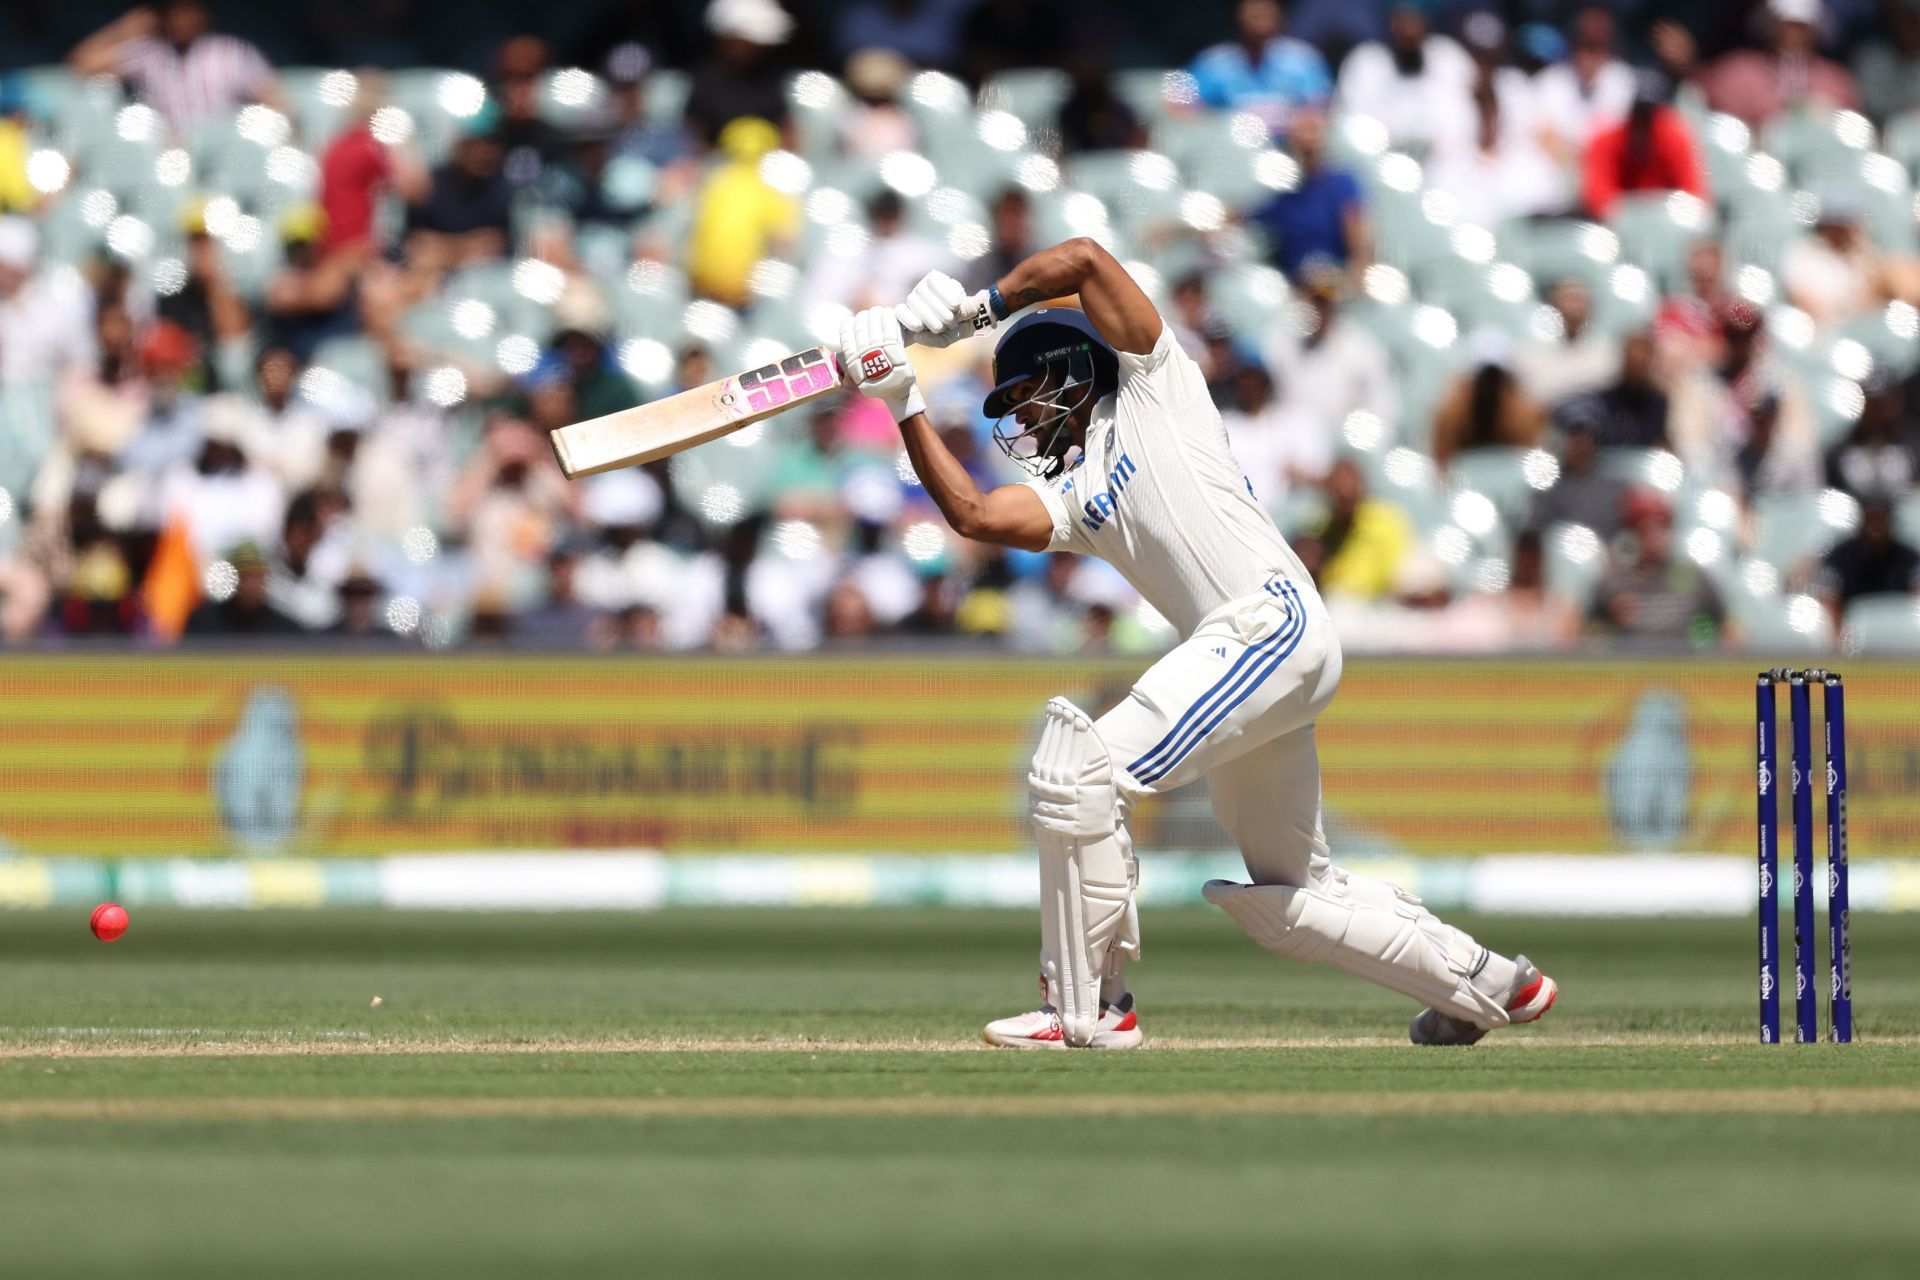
(666, 227)
(1891, 351)
(936, 217)
(1301, 510)
(315, 119)
(123, 166)
(818, 106)
(1408, 480)
(1878, 190)
(26, 433)
(654, 313)
(1836, 406)
(1793, 528)
(1573, 563)
(1252, 300)
(1407, 238)
(1760, 229)
(420, 92)
(1627, 302)
(65, 235)
(1901, 140)
(1817, 145)
(45, 89)
(430, 324)
(1906, 520)
(1767, 626)
(1424, 375)
(1653, 468)
(1032, 93)
(1882, 624)
(1726, 143)
(1136, 186)
(1657, 231)
(603, 250)
(1485, 311)
(1195, 140)
(1145, 90)
(250, 267)
(357, 359)
(1229, 174)
(944, 111)
(83, 119)
(1451, 281)
(1560, 249)
(978, 169)
(1500, 474)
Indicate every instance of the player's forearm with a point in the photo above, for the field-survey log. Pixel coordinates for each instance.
(1050, 273)
(946, 481)
(1123, 314)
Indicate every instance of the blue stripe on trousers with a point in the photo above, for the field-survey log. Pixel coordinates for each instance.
(1199, 733)
(1253, 667)
(1248, 659)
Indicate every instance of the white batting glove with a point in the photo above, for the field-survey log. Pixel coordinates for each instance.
(873, 355)
(940, 312)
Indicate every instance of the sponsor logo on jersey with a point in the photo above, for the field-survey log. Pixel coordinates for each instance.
(1102, 505)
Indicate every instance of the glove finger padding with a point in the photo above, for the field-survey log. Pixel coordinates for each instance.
(935, 301)
(874, 355)
(924, 314)
(939, 312)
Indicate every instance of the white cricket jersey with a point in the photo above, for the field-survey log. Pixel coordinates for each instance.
(1157, 494)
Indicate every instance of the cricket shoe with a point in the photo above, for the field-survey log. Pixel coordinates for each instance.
(1533, 994)
(1119, 1029)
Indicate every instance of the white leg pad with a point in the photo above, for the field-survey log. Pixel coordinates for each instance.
(1088, 921)
(1369, 929)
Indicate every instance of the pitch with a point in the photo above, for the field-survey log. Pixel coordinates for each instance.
(800, 1093)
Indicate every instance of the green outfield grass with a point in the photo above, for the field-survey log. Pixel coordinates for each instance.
(801, 1093)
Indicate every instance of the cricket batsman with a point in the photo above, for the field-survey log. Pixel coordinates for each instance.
(1130, 463)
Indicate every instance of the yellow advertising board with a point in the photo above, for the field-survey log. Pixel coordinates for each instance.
(324, 754)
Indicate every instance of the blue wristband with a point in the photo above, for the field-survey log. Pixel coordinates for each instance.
(996, 303)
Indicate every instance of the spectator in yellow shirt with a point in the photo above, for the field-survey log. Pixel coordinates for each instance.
(738, 217)
(1360, 549)
(16, 193)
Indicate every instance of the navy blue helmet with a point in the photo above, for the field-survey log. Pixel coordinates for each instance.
(1060, 349)
(1040, 339)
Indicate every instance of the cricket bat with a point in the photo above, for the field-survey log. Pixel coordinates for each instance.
(651, 431)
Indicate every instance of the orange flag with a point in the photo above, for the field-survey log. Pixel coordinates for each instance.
(172, 587)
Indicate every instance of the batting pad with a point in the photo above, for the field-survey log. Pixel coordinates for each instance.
(1087, 870)
(1367, 928)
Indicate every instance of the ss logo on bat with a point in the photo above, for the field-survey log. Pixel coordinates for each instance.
(776, 384)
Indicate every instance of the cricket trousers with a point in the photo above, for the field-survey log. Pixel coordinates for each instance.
(1235, 703)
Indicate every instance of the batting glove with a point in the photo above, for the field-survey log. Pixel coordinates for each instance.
(873, 353)
(940, 312)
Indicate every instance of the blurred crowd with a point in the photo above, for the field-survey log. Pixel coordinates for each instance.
(1535, 327)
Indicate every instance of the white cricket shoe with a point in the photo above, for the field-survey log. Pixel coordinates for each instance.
(1119, 1028)
(1532, 995)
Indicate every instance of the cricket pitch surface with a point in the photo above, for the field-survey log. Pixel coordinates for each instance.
(804, 1093)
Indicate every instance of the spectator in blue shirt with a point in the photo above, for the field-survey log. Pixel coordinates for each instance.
(1323, 216)
(1261, 70)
